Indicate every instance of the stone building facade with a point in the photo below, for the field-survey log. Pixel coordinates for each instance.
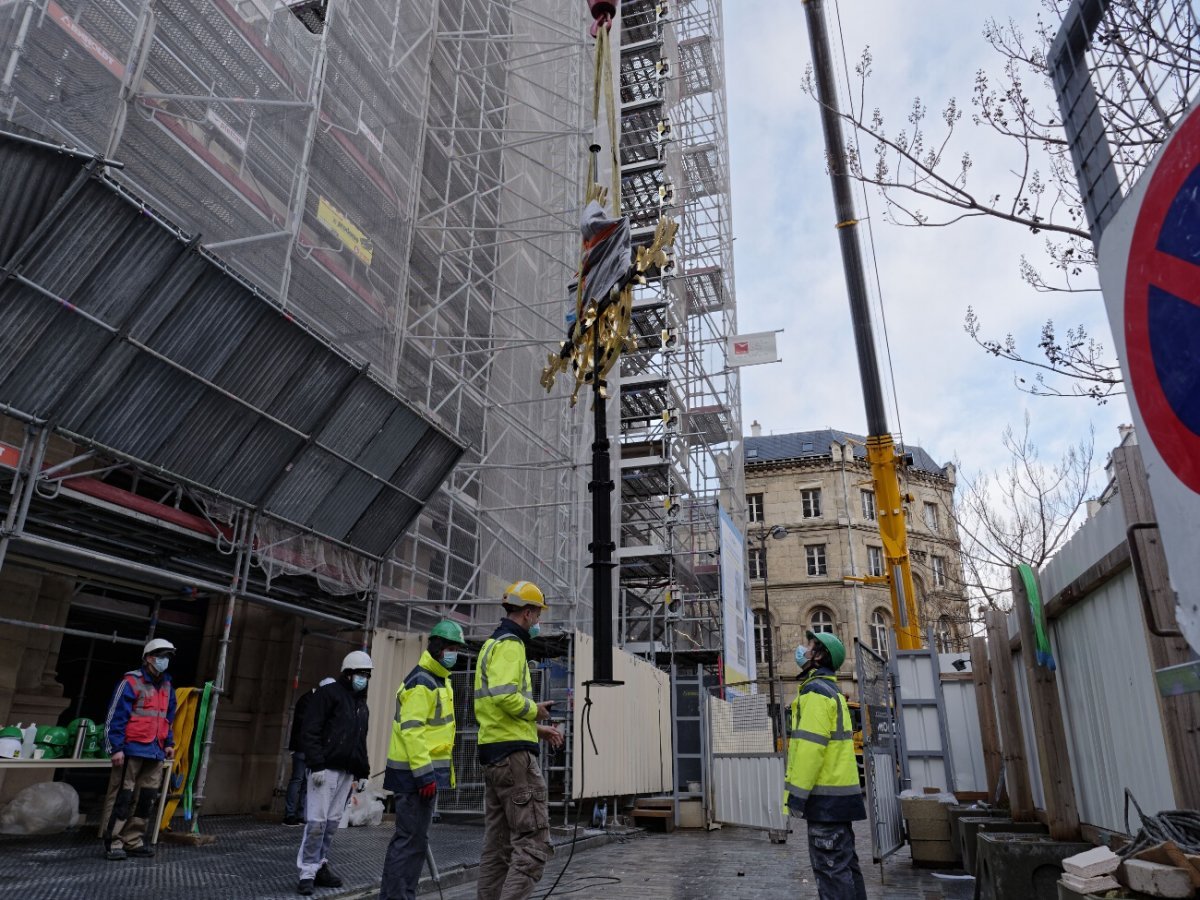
(811, 526)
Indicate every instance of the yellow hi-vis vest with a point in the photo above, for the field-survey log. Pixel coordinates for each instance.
(822, 773)
(423, 730)
(504, 703)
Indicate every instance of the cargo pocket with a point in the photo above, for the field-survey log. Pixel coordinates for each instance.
(824, 838)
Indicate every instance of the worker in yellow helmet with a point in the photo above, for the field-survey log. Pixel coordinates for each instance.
(822, 773)
(516, 841)
(419, 758)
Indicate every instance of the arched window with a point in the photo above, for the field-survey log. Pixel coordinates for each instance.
(879, 632)
(762, 638)
(945, 637)
(821, 620)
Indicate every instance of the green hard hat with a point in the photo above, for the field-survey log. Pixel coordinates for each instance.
(89, 727)
(448, 631)
(11, 731)
(837, 650)
(53, 740)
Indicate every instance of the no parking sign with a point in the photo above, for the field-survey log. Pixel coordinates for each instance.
(1150, 276)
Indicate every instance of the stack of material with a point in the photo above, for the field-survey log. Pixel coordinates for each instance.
(928, 824)
(1091, 872)
(1162, 871)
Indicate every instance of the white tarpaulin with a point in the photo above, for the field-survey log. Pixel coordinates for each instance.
(750, 349)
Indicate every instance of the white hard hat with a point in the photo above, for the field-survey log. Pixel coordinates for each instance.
(156, 645)
(356, 659)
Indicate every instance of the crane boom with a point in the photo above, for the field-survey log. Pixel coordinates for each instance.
(881, 450)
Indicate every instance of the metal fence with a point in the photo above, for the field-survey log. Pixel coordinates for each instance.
(881, 751)
(746, 762)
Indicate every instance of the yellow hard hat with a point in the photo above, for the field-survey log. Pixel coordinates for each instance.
(524, 593)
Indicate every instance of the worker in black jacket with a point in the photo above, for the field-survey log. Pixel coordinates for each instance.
(297, 788)
(334, 742)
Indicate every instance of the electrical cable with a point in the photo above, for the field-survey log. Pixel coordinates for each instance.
(585, 721)
(1180, 826)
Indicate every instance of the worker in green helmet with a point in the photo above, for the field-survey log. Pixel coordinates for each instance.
(419, 758)
(821, 784)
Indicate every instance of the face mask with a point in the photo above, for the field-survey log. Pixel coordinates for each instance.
(534, 630)
(801, 656)
(160, 663)
(358, 682)
(449, 658)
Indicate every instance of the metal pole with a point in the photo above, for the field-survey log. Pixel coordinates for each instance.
(240, 576)
(59, 629)
(23, 487)
(775, 725)
(601, 488)
(847, 223)
(87, 669)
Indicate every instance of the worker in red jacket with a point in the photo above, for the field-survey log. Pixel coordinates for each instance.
(138, 737)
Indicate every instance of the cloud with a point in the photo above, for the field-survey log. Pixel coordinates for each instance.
(954, 399)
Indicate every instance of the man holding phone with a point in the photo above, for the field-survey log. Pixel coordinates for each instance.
(516, 841)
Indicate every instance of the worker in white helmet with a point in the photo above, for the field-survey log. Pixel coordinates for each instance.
(138, 737)
(334, 742)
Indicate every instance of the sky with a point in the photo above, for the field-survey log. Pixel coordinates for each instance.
(953, 399)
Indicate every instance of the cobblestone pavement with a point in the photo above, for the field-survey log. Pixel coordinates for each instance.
(730, 864)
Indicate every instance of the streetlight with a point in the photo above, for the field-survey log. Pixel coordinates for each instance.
(778, 532)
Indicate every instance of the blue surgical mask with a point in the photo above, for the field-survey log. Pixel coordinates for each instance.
(358, 682)
(801, 656)
(534, 630)
(160, 663)
(449, 658)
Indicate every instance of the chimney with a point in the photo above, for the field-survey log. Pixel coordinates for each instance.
(755, 429)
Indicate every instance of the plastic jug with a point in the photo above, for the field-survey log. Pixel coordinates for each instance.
(27, 736)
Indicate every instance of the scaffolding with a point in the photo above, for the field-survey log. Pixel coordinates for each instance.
(680, 405)
(402, 178)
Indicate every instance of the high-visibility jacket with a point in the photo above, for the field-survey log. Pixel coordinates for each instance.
(822, 774)
(504, 705)
(423, 730)
(140, 715)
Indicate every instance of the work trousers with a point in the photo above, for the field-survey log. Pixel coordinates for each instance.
(297, 789)
(516, 839)
(134, 788)
(406, 851)
(323, 811)
(835, 861)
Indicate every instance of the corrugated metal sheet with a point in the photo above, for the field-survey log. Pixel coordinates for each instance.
(962, 725)
(748, 789)
(1114, 727)
(631, 725)
(394, 654)
(129, 339)
(1098, 536)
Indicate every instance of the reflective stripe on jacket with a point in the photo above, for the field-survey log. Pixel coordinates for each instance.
(422, 741)
(139, 717)
(822, 774)
(504, 704)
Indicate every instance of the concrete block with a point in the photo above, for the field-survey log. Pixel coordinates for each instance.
(973, 827)
(1156, 879)
(1095, 862)
(923, 808)
(957, 813)
(1026, 866)
(1093, 885)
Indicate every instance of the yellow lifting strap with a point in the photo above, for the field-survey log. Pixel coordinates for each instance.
(187, 699)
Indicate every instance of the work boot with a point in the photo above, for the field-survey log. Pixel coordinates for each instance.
(326, 878)
(305, 887)
(114, 853)
(141, 850)
(292, 821)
